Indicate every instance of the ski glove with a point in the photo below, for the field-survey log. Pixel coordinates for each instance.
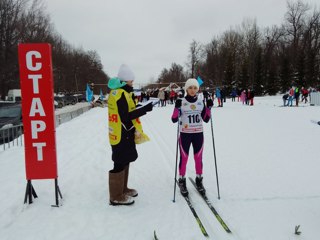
(148, 107)
(178, 103)
(209, 103)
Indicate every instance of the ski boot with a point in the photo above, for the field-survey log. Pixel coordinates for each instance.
(199, 185)
(183, 187)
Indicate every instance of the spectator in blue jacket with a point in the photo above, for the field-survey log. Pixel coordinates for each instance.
(218, 96)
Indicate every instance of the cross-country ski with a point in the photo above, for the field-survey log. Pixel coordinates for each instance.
(212, 209)
(195, 215)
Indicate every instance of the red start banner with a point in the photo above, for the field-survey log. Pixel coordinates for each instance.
(36, 81)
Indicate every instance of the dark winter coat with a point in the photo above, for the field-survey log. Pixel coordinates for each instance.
(125, 151)
(222, 92)
(205, 94)
(250, 94)
(285, 97)
(296, 93)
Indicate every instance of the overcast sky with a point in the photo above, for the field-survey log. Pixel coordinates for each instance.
(149, 35)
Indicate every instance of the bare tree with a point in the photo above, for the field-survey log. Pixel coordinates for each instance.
(10, 15)
(174, 74)
(27, 21)
(295, 27)
(295, 21)
(35, 24)
(232, 52)
(212, 68)
(312, 49)
(196, 54)
(252, 42)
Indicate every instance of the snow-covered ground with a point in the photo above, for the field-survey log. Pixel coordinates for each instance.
(268, 165)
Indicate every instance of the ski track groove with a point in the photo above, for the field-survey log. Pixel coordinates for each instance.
(205, 215)
(158, 138)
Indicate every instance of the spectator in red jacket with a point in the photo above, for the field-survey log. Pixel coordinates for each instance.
(305, 94)
(291, 95)
(250, 96)
(172, 96)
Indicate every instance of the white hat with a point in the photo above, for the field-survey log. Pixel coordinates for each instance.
(191, 82)
(125, 73)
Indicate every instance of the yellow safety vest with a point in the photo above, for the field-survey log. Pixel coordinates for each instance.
(115, 121)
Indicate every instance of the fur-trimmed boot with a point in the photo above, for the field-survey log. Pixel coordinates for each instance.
(128, 191)
(116, 183)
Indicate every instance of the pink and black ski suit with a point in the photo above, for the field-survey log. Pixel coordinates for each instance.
(191, 115)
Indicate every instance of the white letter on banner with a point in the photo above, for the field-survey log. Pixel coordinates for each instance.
(39, 150)
(36, 107)
(29, 56)
(35, 82)
(37, 126)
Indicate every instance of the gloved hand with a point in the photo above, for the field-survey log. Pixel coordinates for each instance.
(178, 103)
(148, 107)
(209, 103)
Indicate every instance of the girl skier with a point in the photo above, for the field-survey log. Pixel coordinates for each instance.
(192, 111)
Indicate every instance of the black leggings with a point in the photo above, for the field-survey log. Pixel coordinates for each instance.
(119, 167)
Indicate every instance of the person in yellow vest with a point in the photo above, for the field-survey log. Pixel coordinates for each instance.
(125, 131)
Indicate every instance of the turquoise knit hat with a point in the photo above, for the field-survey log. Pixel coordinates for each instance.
(115, 83)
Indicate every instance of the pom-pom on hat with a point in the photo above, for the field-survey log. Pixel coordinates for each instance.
(191, 82)
(125, 73)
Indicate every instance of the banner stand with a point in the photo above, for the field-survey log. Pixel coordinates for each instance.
(57, 192)
(29, 193)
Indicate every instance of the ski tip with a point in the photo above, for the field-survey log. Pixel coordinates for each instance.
(155, 235)
(315, 122)
(296, 230)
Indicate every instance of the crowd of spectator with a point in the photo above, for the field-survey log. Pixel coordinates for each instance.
(294, 94)
(165, 96)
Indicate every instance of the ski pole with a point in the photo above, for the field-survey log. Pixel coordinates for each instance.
(215, 159)
(175, 172)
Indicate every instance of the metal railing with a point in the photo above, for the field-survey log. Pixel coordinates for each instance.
(11, 137)
(65, 117)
